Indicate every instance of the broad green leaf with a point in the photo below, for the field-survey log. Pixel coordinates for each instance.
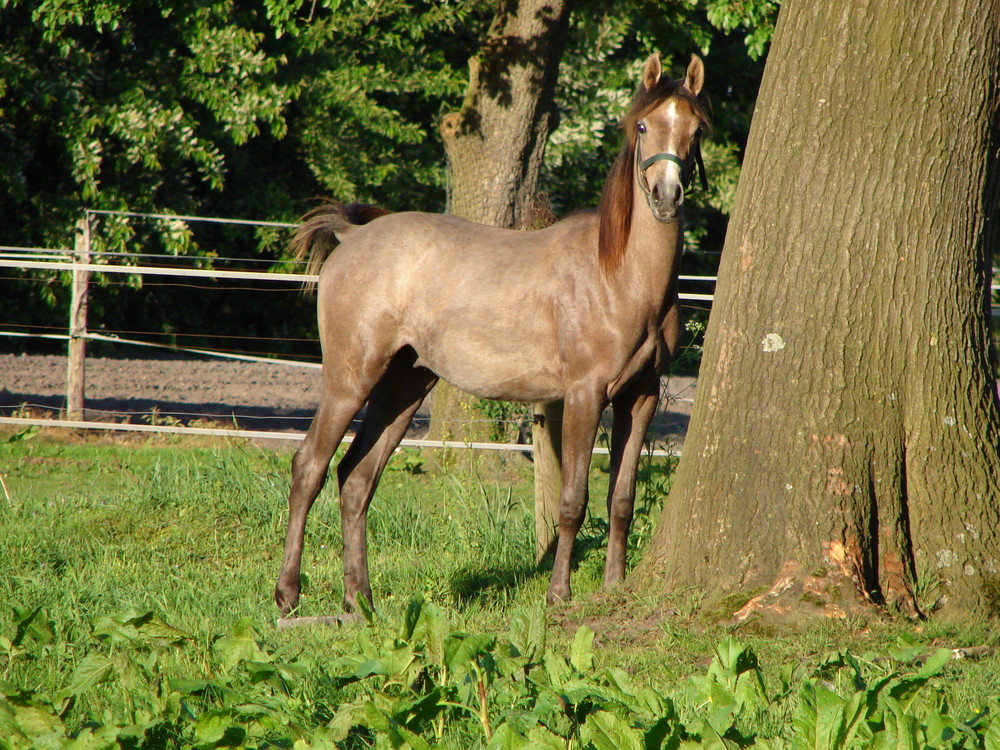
(528, 631)
(850, 720)
(94, 669)
(348, 716)
(713, 740)
(375, 718)
(188, 687)
(217, 728)
(34, 624)
(411, 618)
(462, 650)
(365, 608)
(935, 663)
(582, 652)
(665, 733)
(402, 737)
(132, 627)
(239, 645)
(607, 731)
(622, 680)
(991, 740)
(941, 730)
(397, 657)
(721, 708)
(33, 721)
(556, 669)
(28, 433)
(901, 726)
(543, 739)
(770, 743)
(733, 656)
(154, 628)
(433, 629)
(362, 671)
(95, 738)
(906, 649)
(197, 687)
(578, 691)
(806, 720)
(505, 738)
(275, 674)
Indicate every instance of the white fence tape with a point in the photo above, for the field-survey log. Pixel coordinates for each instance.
(57, 265)
(292, 436)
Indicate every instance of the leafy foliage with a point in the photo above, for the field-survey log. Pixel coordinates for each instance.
(220, 108)
(140, 572)
(249, 109)
(431, 686)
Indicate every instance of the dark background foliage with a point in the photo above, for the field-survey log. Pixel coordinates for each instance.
(250, 110)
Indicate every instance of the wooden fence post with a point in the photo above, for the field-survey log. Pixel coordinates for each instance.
(546, 434)
(77, 350)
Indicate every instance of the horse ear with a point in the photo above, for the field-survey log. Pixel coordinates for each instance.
(694, 79)
(651, 71)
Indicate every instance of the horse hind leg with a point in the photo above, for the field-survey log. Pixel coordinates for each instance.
(391, 406)
(309, 470)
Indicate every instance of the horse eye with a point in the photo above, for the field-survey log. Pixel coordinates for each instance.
(642, 128)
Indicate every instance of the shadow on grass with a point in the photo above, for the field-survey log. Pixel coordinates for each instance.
(499, 583)
(492, 584)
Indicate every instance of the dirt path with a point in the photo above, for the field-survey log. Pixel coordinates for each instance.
(256, 396)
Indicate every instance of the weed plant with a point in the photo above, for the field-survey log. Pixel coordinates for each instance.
(135, 612)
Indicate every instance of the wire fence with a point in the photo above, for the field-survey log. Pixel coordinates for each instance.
(83, 261)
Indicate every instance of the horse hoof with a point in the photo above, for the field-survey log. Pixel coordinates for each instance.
(556, 596)
(285, 601)
(359, 603)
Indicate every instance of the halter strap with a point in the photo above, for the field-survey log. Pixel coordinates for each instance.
(686, 174)
(664, 156)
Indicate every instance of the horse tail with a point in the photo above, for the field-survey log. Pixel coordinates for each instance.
(325, 226)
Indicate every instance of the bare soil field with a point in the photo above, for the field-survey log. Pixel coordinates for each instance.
(255, 396)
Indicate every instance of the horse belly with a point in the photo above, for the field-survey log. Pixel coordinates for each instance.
(493, 369)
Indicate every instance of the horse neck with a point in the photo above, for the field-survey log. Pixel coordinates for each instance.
(652, 257)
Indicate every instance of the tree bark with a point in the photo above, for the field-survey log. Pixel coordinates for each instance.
(843, 452)
(496, 141)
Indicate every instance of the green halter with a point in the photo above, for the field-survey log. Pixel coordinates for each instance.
(686, 173)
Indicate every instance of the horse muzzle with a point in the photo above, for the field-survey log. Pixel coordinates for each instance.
(665, 191)
(665, 199)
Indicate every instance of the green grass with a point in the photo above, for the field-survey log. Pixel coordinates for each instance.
(189, 532)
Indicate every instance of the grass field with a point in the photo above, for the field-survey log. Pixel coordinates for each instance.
(135, 611)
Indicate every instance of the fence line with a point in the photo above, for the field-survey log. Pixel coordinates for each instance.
(65, 265)
(181, 217)
(205, 352)
(41, 259)
(292, 436)
(220, 274)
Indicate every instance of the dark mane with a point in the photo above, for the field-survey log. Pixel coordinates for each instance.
(615, 208)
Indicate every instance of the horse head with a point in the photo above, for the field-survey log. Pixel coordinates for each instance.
(666, 133)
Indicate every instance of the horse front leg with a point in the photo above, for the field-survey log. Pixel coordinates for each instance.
(580, 419)
(633, 411)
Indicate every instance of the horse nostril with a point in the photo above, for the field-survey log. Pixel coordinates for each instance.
(655, 194)
(678, 194)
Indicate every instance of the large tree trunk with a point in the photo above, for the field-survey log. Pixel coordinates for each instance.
(495, 145)
(496, 141)
(844, 448)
